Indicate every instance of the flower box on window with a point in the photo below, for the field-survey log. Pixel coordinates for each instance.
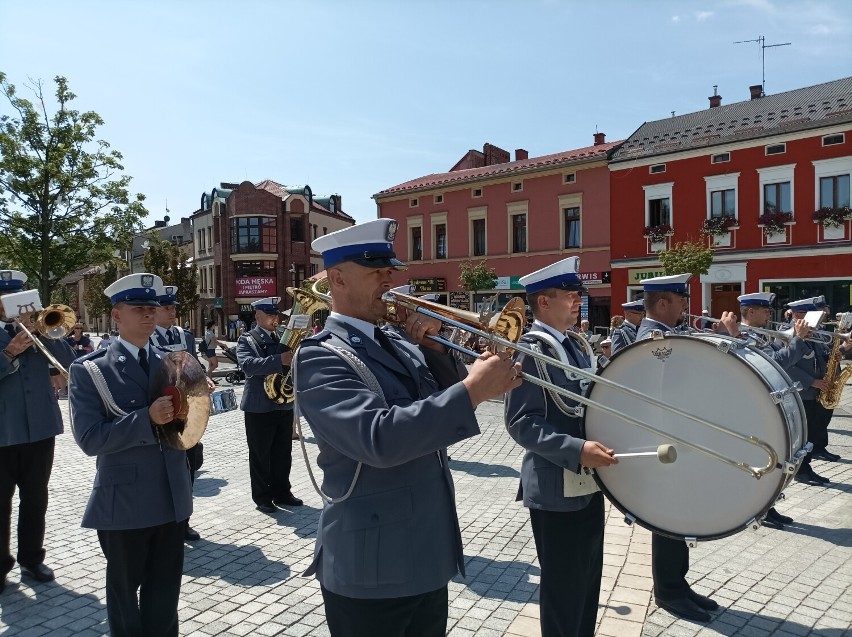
(775, 223)
(718, 226)
(833, 217)
(658, 234)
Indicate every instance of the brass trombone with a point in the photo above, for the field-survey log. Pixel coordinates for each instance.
(816, 336)
(53, 322)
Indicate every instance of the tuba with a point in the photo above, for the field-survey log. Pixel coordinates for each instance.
(279, 387)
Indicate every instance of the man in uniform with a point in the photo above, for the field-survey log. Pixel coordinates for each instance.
(168, 336)
(625, 334)
(756, 311)
(142, 495)
(383, 406)
(269, 425)
(30, 423)
(810, 371)
(566, 507)
(666, 300)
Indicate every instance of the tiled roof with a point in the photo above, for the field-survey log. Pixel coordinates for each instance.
(285, 191)
(497, 170)
(801, 109)
(274, 187)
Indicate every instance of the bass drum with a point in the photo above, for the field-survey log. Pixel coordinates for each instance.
(696, 496)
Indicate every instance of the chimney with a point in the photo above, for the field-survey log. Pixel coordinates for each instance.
(756, 91)
(715, 99)
(159, 224)
(520, 153)
(600, 138)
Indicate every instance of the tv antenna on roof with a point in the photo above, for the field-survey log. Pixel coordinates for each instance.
(763, 46)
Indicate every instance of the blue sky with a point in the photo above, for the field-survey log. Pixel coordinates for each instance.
(353, 97)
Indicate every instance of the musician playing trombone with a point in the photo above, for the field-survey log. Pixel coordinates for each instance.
(566, 506)
(383, 406)
(31, 421)
(625, 334)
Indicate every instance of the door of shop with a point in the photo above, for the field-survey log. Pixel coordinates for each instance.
(723, 298)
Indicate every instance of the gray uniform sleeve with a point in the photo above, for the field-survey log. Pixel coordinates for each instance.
(254, 365)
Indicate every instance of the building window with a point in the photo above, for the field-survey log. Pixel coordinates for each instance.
(723, 203)
(441, 241)
(776, 197)
(572, 227)
(439, 199)
(570, 178)
(332, 205)
(253, 234)
(477, 229)
(209, 239)
(314, 228)
(519, 233)
(254, 268)
(659, 212)
(657, 168)
(297, 229)
(834, 191)
(324, 230)
(417, 243)
(414, 202)
(776, 149)
(720, 158)
(476, 192)
(517, 186)
(831, 140)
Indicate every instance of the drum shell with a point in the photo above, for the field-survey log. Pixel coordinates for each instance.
(697, 496)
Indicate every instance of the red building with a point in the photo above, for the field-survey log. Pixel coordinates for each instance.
(761, 167)
(518, 215)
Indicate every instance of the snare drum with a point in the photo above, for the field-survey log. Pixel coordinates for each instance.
(706, 375)
(222, 400)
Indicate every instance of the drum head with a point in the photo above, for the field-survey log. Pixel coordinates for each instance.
(696, 496)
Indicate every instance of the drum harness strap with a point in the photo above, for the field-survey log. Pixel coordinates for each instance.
(372, 384)
(541, 367)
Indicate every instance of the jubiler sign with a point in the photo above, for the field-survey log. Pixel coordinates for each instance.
(255, 286)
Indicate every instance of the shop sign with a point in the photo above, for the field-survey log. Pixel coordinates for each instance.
(635, 276)
(584, 309)
(217, 302)
(593, 278)
(433, 284)
(255, 286)
(508, 283)
(460, 300)
(246, 307)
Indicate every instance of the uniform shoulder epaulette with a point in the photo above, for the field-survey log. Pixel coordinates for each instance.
(91, 355)
(316, 338)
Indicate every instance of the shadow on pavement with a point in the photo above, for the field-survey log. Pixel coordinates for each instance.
(496, 579)
(483, 470)
(839, 537)
(50, 607)
(206, 487)
(303, 520)
(727, 619)
(244, 565)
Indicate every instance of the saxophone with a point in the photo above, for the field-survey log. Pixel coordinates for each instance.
(829, 398)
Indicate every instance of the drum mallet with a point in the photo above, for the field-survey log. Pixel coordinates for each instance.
(665, 454)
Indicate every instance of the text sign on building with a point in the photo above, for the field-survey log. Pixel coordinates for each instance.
(508, 283)
(460, 300)
(593, 278)
(428, 285)
(256, 286)
(635, 276)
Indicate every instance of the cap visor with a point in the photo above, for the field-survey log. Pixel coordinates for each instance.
(381, 262)
(148, 302)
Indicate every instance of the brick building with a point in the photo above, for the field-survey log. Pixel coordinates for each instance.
(767, 162)
(520, 215)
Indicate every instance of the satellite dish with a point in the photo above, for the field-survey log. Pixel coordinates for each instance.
(166, 218)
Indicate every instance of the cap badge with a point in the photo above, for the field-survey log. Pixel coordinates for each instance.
(392, 226)
(355, 339)
(147, 281)
(121, 358)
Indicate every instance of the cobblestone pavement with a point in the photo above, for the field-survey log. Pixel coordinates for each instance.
(243, 577)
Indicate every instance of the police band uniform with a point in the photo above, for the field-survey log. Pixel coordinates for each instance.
(665, 302)
(388, 542)
(269, 425)
(31, 420)
(142, 496)
(823, 414)
(625, 334)
(566, 507)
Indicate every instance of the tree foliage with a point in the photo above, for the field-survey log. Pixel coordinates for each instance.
(64, 203)
(476, 275)
(169, 262)
(96, 301)
(689, 256)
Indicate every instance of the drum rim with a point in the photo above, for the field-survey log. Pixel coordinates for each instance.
(783, 483)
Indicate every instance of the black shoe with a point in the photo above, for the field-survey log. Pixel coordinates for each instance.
(773, 515)
(685, 609)
(191, 534)
(266, 507)
(826, 455)
(819, 478)
(38, 572)
(288, 500)
(807, 477)
(702, 601)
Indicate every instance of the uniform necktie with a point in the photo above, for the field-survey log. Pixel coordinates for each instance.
(385, 343)
(143, 361)
(170, 337)
(10, 329)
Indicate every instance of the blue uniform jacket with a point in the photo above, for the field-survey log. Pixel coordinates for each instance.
(260, 355)
(623, 336)
(28, 408)
(139, 483)
(398, 534)
(812, 365)
(553, 440)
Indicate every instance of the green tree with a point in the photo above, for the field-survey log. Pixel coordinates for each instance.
(476, 275)
(96, 301)
(171, 264)
(688, 256)
(63, 203)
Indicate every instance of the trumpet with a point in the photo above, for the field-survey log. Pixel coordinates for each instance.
(496, 333)
(816, 336)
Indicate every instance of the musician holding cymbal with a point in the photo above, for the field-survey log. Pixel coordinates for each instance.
(566, 506)
(142, 495)
(31, 421)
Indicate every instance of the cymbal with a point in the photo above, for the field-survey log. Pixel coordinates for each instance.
(182, 378)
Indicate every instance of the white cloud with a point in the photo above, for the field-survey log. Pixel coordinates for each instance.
(703, 15)
(820, 29)
(675, 18)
